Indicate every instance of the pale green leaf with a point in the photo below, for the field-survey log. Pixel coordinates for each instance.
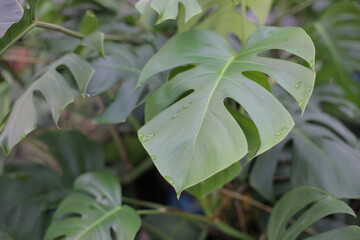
(10, 12)
(57, 92)
(296, 200)
(337, 35)
(344, 233)
(89, 23)
(226, 17)
(93, 211)
(196, 137)
(168, 9)
(95, 41)
(17, 30)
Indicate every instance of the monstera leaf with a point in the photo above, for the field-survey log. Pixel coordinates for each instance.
(94, 212)
(323, 205)
(120, 63)
(192, 138)
(169, 9)
(11, 9)
(337, 34)
(57, 92)
(318, 141)
(10, 12)
(226, 18)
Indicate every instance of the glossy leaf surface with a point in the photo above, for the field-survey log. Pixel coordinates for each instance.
(193, 138)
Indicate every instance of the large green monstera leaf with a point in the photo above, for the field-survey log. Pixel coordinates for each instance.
(192, 138)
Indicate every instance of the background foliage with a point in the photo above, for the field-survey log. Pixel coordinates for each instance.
(186, 119)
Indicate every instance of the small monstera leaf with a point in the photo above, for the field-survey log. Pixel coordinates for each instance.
(226, 17)
(338, 34)
(57, 92)
(94, 212)
(192, 138)
(169, 9)
(10, 12)
(323, 205)
(11, 9)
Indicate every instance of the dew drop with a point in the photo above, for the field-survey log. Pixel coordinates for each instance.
(153, 157)
(169, 180)
(185, 106)
(308, 89)
(88, 95)
(178, 111)
(298, 85)
(152, 135)
(174, 116)
(276, 140)
(278, 133)
(190, 103)
(286, 39)
(141, 135)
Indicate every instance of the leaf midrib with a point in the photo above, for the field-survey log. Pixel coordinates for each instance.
(218, 80)
(97, 222)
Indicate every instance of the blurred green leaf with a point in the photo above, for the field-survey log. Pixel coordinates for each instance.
(57, 92)
(94, 211)
(296, 200)
(337, 38)
(89, 23)
(74, 152)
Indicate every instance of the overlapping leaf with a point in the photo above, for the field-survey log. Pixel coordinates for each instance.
(120, 63)
(296, 200)
(94, 212)
(192, 138)
(169, 9)
(322, 147)
(225, 17)
(57, 92)
(337, 35)
(17, 30)
(10, 12)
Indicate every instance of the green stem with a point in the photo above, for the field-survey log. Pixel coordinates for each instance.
(134, 122)
(58, 28)
(230, 231)
(296, 9)
(140, 203)
(138, 171)
(204, 203)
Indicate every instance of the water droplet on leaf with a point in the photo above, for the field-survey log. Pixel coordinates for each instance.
(169, 180)
(153, 157)
(174, 116)
(298, 85)
(281, 131)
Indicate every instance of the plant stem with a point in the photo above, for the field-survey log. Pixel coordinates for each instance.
(134, 122)
(72, 33)
(138, 171)
(120, 146)
(59, 28)
(230, 231)
(140, 203)
(296, 9)
(260, 205)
